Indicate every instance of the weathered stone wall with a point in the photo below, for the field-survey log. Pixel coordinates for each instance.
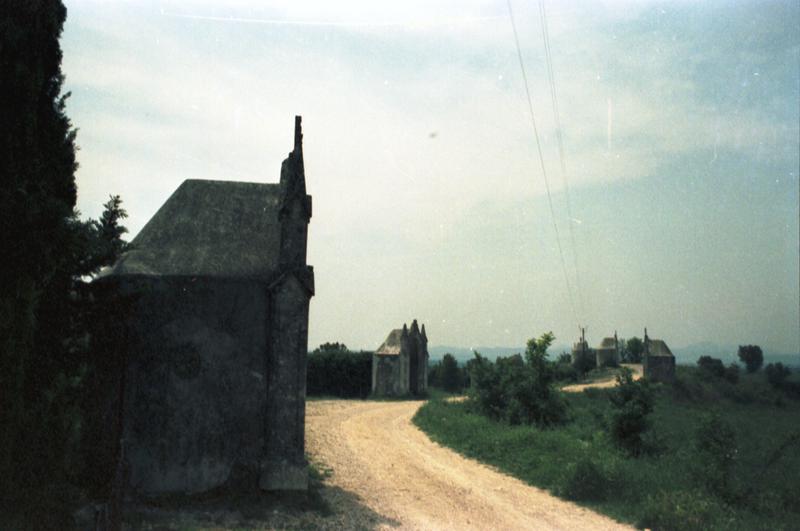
(196, 383)
(390, 375)
(284, 465)
(606, 357)
(659, 368)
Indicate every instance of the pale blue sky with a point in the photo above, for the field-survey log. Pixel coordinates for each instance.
(680, 126)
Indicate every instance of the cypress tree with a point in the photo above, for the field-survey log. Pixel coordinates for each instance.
(37, 237)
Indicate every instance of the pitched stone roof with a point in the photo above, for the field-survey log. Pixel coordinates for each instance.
(659, 348)
(391, 347)
(215, 228)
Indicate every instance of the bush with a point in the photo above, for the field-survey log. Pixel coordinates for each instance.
(732, 373)
(711, 366)
(563, 370)
(633, 350)
(451, 376)
(336, 371)
(516, 390)
(633, 402)
(583, 363)
(751, 356)
(586, 483)
(777, 374)
(716, 456)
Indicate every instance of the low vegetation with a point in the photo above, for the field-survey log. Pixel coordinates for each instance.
(448, 375)
(334, 370)
(517, 390)
(705, 453)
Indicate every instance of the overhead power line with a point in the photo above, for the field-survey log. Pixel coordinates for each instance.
(541, 159)
(561, 155)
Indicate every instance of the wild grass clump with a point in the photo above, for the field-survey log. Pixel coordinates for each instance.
(586, 482)
(683, 511)
(715, 456)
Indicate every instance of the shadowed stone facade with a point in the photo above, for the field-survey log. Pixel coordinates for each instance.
(658, 362)
(214, 389)
(400, 365)
(607, 353)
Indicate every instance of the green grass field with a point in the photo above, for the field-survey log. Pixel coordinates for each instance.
(668, 487)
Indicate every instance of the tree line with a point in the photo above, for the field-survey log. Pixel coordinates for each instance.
(51, 362)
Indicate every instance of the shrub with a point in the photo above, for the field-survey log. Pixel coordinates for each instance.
(716, 455)
(633, 350)
(751, 356)
(335, 370)
(563, 370)
(711, 366)
(633, 402)
(517, 390)
(777, 374)
(732, 373)
(586, 483)
(583, 363)
(451, 376)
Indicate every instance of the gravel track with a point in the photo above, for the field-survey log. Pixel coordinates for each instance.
(386, 474)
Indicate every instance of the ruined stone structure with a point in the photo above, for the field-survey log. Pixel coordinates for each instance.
(658, 362)
(607, 353)
(400, 365)
(214, 387)
(604, 355)
(580, 350)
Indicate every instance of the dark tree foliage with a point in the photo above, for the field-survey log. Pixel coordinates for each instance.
(633, 350)
(633, 403)
(517, 390)
(751, 356)
(564, 371)
(714, 368)
(777, 374)
(46, 313)
(334, 370)
(448, 375)
(37, 236)
(451, 376)
(711, 366)
(583, 363)
(732, 373)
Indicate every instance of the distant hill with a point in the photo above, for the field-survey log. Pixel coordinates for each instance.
(687, 355)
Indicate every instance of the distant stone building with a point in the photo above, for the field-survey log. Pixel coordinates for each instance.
(400, 365)
(607, 353)
(214, 389)
(604, 355)
(580, 351)
(658, 362)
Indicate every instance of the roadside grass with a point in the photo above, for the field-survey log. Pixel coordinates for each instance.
(665, 488)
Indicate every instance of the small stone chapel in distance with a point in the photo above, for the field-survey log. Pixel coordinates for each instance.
(400, 365)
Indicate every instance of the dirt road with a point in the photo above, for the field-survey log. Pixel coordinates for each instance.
(386, 474)
(611, 381)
